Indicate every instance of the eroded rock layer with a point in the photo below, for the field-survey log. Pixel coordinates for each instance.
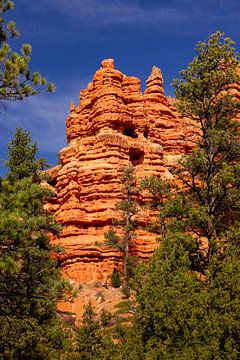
(113, 125)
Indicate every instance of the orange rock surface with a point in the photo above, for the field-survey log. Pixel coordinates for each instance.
(113, 125)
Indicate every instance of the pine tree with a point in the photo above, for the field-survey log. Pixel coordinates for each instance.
(89, 337)
(22, 161)
(128, 209)
(16, 80)
(180, 316)
(168, 323)
(30, 283)
(210, 174)
(160, 190)
(92, 341)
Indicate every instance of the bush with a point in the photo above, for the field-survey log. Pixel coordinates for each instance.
(115, 278)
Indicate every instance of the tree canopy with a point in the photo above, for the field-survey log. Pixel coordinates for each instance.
(187, 298)
(22, 156)
(30, 283)
(182, 314)
(16, 80)
(210, 174)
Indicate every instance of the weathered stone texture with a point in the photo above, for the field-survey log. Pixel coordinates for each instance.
(113, 125)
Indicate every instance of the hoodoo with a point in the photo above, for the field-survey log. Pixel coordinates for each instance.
(113, 125)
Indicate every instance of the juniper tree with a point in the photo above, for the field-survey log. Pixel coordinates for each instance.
(16, 80)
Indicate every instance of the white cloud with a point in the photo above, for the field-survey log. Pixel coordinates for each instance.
(132, 12)
(168, 16)
(119, 12)
(109, 12)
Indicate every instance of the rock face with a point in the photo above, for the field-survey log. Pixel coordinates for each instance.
(113, 125)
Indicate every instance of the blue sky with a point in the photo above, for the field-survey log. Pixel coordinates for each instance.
(69, 39)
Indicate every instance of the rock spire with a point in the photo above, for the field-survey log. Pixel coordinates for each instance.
(113, 125)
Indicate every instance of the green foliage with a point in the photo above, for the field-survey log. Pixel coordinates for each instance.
(106, 318)
(181, 313)
(177, 313)
(27, 339)
(159, 190)
(127, 209)
(179, 317)
(30, 283)
(92, 342)
(210, 174)
(210, 72)
(22, 161)
(115, 278)
(170, 292)
(88, 336)
(16, 80)
(113, 239)
(224, 302)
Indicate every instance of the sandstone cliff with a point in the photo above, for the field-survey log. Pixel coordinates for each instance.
(113, 125)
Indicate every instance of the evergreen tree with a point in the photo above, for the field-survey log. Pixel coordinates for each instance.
(30, 284)
(16, 80)
(210, 174)
(92, 341)
(166, 291)
(180, 317)
(115, 278)
(160, 190)
(22, 161)
(88, 336)
(128, 209)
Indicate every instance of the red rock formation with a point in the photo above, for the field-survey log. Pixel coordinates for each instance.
(113, 125)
